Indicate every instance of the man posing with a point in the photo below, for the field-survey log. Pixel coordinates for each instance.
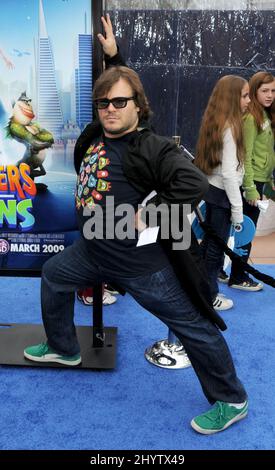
(122, 159)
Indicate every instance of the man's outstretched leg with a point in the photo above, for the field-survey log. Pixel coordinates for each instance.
(62, 275)
(161, 294)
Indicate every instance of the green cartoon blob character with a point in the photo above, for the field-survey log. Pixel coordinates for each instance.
(22, 128)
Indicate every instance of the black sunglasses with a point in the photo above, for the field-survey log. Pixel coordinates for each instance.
(119, 102)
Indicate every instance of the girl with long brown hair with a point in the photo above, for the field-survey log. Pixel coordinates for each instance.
(259, 161)
(220, 155)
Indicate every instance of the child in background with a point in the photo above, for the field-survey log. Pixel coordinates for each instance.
(259, 162)
(220, 155)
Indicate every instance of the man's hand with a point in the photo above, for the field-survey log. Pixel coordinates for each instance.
(139, 224)
(109, 41)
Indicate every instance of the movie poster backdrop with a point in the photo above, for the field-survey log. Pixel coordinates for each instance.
(45, 102)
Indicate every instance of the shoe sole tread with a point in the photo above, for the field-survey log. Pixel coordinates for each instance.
(247, 288)
(59, 361)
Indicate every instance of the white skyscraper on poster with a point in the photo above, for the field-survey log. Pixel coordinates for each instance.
(83, 79)
(49, 111)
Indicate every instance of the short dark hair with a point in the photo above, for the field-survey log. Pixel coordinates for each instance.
(111, 76)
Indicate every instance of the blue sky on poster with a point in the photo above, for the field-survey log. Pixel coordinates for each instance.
(19, 28)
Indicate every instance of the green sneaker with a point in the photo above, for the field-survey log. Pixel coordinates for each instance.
(220, 417)
(43, 353)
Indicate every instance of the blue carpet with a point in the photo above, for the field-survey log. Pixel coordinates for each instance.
(137, 406)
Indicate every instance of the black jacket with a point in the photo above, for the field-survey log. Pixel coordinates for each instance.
(155, 163)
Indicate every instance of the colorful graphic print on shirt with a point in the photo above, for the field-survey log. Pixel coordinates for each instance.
(91, 179)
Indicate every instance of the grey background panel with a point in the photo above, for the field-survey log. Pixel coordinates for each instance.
(190, 4)
(181, 54)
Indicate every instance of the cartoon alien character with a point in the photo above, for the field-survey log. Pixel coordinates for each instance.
(36, 140)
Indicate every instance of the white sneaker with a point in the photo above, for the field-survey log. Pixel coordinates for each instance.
(222, 303)
(108, 299)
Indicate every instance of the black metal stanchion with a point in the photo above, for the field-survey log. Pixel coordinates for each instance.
(98, 328)
(169, 353)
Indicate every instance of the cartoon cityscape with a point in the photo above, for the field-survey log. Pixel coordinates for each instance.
(62, 111)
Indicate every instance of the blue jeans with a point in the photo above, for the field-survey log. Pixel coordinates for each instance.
(161, 294)
(213, 254)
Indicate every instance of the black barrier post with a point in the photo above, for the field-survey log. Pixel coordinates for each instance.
(98, 328)
(97, 12)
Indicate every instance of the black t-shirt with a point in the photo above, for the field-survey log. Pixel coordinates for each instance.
(106, 204)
